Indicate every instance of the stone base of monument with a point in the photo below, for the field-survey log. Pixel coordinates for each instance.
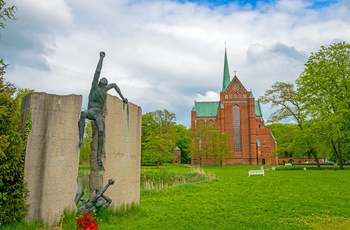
(121, 153)
(52, 153)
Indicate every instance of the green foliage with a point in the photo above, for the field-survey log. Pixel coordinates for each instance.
(324, 89)
(13, 191)
(285, 134)
(209, 141)
(184, 143)
(85, 150)
(283, 96)
(287, 198)
(20, 93)
(152, 178)
(158, 137)
(6, 13)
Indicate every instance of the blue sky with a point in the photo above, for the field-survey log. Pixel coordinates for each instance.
(312, 3)
(166, 54)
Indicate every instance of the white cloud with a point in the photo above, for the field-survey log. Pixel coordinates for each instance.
(208, 96)
(164, 54)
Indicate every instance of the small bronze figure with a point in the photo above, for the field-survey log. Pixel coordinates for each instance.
(96, 202)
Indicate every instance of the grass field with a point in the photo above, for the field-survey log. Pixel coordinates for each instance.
(287, 198)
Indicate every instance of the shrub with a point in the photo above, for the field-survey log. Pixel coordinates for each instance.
(12, 188)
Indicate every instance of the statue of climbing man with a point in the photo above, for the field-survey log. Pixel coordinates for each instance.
(97, 97)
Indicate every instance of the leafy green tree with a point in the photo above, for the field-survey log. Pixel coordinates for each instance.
(159, 137)
(285, 134)
(324, 88)
(209, 142)
(22, 92)
(223, 146)
(6, 13)
(13, 192)
(283, 96)
(183, 141)
(196, 144)
(12, 188)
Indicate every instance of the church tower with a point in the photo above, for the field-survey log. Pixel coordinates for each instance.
(239, 115)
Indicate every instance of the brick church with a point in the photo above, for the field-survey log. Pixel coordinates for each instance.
(238, 114)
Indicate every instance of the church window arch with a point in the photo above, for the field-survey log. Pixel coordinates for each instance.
(237, 128)
(235, 96)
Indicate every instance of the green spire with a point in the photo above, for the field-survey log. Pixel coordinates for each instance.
(226, 79)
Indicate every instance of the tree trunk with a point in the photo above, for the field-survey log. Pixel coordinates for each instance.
(340, 157)
(338, 154)
(314, 154)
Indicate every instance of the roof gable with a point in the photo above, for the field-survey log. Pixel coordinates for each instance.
(235, 86)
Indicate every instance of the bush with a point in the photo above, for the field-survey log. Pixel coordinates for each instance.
(12, 188)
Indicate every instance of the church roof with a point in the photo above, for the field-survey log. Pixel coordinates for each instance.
(206, 108)
(226, 79)
(210, 108)
(258, 109)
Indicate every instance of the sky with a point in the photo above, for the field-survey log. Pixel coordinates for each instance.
(166, 54)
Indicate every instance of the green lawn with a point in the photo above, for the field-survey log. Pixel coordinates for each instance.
(282, 199)
(287, 198)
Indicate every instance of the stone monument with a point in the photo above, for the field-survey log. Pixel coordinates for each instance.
(52, 154)
(112, 130)
(52, 150)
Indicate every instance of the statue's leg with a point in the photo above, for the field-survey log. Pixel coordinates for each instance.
(81, 125)
(100, 127)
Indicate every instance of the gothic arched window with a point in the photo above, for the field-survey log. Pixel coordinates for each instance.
(237, 128)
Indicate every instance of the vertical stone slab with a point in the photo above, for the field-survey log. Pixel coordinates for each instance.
(52, 154)
(122, 151)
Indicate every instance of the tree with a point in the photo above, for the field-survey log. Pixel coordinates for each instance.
(286, 98)
(13, 192)
(159, 137)
(183, 141)
(223, 146)
(12, 188)
(209, 142)
(6, 13)
(22, 92)
(284, 134)
(324, 88)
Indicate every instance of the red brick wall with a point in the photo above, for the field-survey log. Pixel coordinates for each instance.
(252, 127)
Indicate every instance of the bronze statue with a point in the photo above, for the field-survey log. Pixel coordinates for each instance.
(97, 99)
(96, 202)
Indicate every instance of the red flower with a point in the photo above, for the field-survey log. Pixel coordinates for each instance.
(87, 222)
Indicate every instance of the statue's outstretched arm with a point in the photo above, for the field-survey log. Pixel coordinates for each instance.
(103, 189)
(98, 68)
(108, 201)
(113, 85)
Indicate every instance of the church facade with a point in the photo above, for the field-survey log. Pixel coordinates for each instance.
(239, 115)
